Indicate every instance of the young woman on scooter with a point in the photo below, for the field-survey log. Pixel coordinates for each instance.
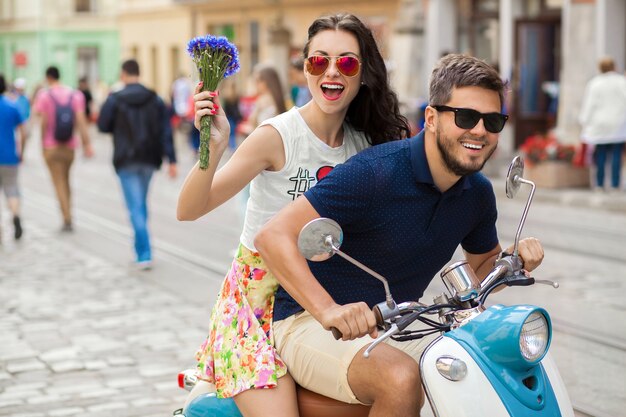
(352, 108)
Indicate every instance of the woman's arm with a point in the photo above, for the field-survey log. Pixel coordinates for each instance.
(203, 191)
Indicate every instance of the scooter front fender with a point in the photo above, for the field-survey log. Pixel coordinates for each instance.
(475, 395)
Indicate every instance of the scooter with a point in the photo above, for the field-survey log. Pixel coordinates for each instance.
(487, 361)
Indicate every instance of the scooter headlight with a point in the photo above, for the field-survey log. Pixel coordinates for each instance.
(534, 337)
(516, 337)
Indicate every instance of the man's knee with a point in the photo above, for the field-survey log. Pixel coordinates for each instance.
(402, 376)
(388, 372)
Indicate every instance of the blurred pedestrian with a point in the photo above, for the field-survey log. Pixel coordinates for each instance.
(62, 111)
(18, 96)
(11, 119)
(181, 99)
(83, 86)
(603, 118)
(230, 101)
(139, 121)
(21, 101)
(300, 94)
(270, 99)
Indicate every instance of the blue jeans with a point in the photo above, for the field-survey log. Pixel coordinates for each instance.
(135, 180)
(601, 152)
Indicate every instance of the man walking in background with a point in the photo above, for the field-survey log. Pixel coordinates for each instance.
(142, 135)
(10, 155)
(62, 110)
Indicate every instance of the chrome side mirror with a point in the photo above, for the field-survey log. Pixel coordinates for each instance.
(320, 239)
(514, 179)
(516, 171)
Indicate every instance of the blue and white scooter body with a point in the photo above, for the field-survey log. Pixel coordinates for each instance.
(480, 369)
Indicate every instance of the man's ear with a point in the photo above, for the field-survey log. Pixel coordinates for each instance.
(430, 119)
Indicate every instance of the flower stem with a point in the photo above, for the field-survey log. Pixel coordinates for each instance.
(205, 134)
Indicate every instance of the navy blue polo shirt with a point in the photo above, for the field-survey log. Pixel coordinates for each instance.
(396, 222)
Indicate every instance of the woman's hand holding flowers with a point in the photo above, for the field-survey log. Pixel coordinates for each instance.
(207, 103)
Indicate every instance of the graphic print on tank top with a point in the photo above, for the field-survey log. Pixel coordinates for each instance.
(303, 180)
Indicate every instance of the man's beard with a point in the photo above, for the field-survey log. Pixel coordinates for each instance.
(454, 165)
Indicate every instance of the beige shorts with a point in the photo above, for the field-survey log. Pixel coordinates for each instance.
(320, 363)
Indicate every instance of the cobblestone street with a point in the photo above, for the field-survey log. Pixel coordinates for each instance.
(81, 336)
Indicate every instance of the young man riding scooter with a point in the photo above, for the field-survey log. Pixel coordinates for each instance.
(404, 208)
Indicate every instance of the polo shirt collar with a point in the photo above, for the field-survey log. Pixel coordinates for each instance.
(421, 170)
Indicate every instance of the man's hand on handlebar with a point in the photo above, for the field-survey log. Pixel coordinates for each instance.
(531, 252)
(352, 320)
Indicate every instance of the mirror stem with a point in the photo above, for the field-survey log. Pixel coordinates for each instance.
(521, 224)
(389, 299)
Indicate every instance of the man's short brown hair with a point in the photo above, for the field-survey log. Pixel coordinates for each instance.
(458, 70)
(606, 64)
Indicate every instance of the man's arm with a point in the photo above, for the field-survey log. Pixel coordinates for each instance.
(21, 145)
(277, 242)
(530, 250)
(81, 121)
(105, 118)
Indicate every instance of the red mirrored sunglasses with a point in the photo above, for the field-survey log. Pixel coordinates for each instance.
(347, 65)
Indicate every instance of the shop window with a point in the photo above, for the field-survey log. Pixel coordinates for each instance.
(7, 9)
(478, 28)
(85, 6)
(227, 30)
(154, 64)
(254, 43)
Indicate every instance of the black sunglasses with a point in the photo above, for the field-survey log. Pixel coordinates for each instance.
(468, 118)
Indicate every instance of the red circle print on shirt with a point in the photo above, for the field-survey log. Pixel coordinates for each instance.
(323, 171)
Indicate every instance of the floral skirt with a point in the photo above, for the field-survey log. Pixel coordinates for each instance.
(239, 353)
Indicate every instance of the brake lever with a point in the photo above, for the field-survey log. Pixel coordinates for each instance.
(522, 280)
(392, 330)
(553, 284)
(395, 328)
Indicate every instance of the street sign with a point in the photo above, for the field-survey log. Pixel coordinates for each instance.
(20, 59)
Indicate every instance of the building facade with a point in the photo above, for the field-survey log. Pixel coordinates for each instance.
(78, 36)
(265, 31)
(546, 49)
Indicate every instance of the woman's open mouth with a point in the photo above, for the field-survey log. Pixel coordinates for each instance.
(332, 91)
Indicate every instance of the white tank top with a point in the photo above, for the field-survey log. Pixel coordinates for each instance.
(307, 160)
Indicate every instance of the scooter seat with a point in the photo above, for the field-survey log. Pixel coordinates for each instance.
(311, 404)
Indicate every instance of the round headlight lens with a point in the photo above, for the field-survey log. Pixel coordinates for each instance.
(533, 340)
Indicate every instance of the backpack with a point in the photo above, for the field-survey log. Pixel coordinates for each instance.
(142, 125)
(63, 118)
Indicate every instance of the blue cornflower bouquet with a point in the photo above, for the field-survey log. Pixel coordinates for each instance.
(216, 58)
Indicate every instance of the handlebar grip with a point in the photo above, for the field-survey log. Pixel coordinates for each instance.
(379, 316)
(336, 333)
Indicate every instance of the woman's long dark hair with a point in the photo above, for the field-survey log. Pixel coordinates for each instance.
(375, 109)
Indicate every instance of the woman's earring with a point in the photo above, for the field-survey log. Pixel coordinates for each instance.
(362, 82)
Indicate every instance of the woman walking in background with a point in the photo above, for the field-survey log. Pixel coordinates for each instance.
(270, 99)
(603, 118)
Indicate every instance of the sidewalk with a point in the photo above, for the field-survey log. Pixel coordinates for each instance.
(572, 197)
(81, 336)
